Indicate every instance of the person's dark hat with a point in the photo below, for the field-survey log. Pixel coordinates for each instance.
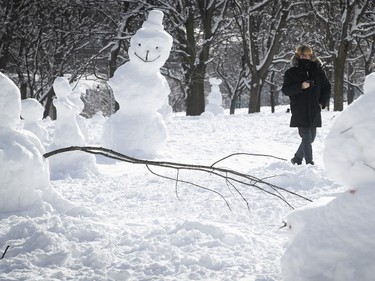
(305, 50)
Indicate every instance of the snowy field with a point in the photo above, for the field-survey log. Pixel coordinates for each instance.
(129, 224)
(113, 220)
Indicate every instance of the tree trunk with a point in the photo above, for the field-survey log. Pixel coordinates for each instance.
(339, 73)
(273, 89)
(50, 110)
(232, 108)
(350, 94)
(4, 54)
(113, 66)
(259, 70)
(351, 91)
(115, 50)
(195, 103)
(255, 93)
(338, 96)
(235, 102)
(193, 98)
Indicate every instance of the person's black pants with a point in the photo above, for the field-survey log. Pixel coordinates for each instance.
(305, 148)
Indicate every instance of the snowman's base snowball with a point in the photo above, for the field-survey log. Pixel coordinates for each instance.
(74, 164)
(23, 170)
(137, 135)
(214, 109)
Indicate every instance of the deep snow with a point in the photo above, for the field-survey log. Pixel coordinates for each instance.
(129, 224)
(125, 223)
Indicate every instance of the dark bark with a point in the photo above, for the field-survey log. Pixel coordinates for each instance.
(195, 102)
(338, 75)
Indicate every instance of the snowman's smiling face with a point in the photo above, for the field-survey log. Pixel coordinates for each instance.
(150, 48)
(146, 55)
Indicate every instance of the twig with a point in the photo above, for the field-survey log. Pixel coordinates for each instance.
(348, 129)
(6, 249)
(249, 154)
(193, 184)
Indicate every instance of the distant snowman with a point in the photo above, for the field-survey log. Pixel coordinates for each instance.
(67, 133)
(137, 128)
(215, 99)
(32, 115)
(24, 174)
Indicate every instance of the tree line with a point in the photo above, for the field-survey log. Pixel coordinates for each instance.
(246, 43)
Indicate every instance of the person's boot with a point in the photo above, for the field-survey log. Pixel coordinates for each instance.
(296, 161)
(310, 163)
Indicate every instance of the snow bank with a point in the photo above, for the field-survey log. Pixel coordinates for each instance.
(332, 239)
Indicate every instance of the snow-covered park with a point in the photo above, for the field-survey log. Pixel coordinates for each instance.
(81, 216)
(125, 223)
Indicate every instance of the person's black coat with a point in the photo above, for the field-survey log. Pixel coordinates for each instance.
(305, 104)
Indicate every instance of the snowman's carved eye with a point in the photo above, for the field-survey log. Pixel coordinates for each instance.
(139, 44)
(156, 47)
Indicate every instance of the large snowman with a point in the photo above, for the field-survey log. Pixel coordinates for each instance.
(23, 170)
(137, 128)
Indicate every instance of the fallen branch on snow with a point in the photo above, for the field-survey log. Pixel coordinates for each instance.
(231, 177)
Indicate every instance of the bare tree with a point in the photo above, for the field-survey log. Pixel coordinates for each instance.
(46, 39)
(198, 24)
(343, 21)
(262, 26)
(40, 40)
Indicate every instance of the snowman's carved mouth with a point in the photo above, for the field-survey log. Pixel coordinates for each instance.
(146, 60)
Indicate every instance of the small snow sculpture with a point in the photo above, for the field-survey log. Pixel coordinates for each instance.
(214, 98)
(32, 114)
(137, 128)
(67, 133)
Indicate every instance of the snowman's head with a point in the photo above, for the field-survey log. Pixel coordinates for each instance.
(31, 109)
(150, 46)
(61, 87)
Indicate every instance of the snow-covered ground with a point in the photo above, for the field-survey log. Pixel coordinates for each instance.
(129, 224)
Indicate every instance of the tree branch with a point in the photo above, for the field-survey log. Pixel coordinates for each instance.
(231, 177)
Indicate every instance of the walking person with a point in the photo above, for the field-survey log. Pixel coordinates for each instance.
(309, 91)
